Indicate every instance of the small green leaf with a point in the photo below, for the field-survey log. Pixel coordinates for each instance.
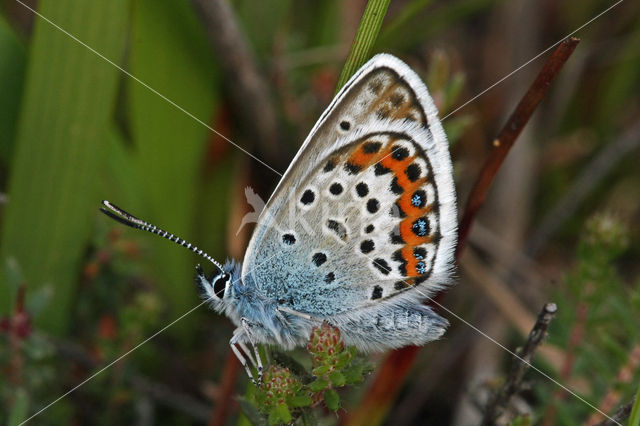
(331, 399)
(274, 416)
(283, 413)
(344, 359)
(300, 400)
(321, 370)
(319, 385)
(337, 378)
(353, 374)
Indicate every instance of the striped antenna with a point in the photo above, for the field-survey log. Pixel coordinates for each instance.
(116, 213)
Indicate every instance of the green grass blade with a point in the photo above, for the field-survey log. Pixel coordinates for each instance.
(169, 52)
(68, 101)
(634, 418)
(368, 30)
(20, 408)
(12, 66)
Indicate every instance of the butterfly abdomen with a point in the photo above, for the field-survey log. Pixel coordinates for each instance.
(391, 327)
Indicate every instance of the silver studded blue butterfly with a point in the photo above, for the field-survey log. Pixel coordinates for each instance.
(359, 233)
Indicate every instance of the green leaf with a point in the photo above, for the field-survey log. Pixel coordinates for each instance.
(318, 385)
(368, 30)
(19, 410)
(274, 416)
(66, 108)
(283, 412)
(337, 378)
(353, 374)
(344, 359)
(12, 66)
(321, 370)
(300, 400)
(331, 399)
(169, 52)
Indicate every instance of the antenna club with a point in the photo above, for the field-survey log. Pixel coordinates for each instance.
(118, 214)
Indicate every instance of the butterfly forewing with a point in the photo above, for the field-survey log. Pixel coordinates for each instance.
(366, 211)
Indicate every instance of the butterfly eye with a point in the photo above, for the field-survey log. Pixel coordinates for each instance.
(220, 285)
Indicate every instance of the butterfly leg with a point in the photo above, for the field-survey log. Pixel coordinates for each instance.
(292, 312)
(242, 360)
(247, 331)
(247, 352)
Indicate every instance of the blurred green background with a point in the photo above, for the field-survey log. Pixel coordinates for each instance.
(85, 116)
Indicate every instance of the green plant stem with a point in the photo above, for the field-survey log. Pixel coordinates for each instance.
(366, 36)
(634, 419)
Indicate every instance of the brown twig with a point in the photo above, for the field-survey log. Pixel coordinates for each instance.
(576, 338)
(248, 90)
(395, 367)
(510, 132)
(513, 383)
(621, 415)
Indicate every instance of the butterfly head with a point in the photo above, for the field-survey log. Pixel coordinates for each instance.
(217, 287)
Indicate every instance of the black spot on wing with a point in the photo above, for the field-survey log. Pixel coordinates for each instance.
(382, 266)
(413, 172)
(319, 258)
(376, 293)
(380, 170)
(335, 188)
(399, 285)
(338, 228)
(371, 147)
(307, 197)
(288, 239)
(373, 205)
(351, 168)
(362, 189)
(367, 246)
(399, 153)
(420, 227)
(331, 164)
(330, 277)
(395, 187)
(402, 268)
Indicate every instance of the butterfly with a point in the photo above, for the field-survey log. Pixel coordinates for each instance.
(359, 232)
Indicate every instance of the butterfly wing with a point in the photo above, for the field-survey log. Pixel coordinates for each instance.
(366, 211)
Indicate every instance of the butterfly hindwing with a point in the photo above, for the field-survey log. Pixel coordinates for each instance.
(366, 211)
